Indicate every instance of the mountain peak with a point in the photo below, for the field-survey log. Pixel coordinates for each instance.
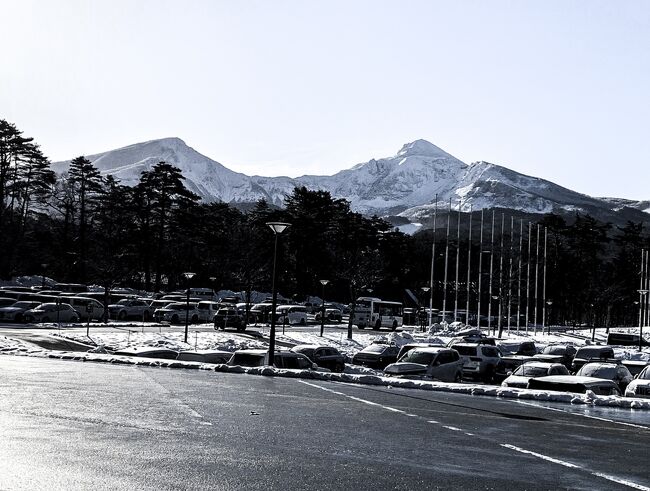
(421, 148)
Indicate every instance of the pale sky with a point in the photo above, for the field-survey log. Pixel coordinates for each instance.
(554, 89)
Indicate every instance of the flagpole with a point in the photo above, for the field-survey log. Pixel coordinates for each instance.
(469, 269)
(433, 262)
(480, 272)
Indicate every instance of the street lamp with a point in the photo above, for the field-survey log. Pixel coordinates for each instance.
(593, 322)
(188, 277)
(322, 314)
(549, 303)
(278, 228)
(642, 294)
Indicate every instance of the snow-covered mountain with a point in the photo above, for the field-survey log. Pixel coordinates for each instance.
(406, 184)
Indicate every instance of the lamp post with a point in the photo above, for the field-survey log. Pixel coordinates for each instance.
(593, 322)
(278, 228)
(494, 329)
(44, 266)
(423, 318)
(188, 277)
(322, 314)
(549, 303)
(642, 294)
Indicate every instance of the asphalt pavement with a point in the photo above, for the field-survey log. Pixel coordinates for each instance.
(72, 425)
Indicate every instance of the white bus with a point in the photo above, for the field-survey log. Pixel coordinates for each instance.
(376, 313)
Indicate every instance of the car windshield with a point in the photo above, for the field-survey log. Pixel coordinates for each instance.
(124, 301)
(598, 371)
(554, 350)
(586, 353)
(645, 374)
(374, 348)
(25, 305)
(530, 371)
(226, 312)
(416, 356)
(465, 350)
(509, 349)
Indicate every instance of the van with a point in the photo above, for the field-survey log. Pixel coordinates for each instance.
(291, 314)
(88, 308)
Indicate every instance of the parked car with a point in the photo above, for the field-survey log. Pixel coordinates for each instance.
(52, 312)
(640, 386)
(291, 314)
(16, 311)
(588, 353)
(205, 356)
(616, 372)
(508, 364)
(518, 348)
(177, 312)
(479, 360)
(574, 383)
(7, 301)
(331, 315)
(229, 316)
(533, 369)
(88, 308)
(130, 308)
(405, 348)
(149, 352)
(439, 363)
(207, 310)
(281, 359)
(557, 353)
(323, 356)
(376, 356)
(260, 312)
(625, 339)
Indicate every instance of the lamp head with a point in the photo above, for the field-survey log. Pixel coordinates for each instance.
(278, 227)
(189, 275)
(324, 282)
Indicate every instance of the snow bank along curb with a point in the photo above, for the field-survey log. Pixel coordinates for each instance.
(483, 390)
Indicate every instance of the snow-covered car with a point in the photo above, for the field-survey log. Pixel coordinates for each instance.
(16, 311)
(52, 312)
(177, 313)
(616, 372)
(439, 363)
(533, 369)
(640, 386)
(130, 308)
(516, 348)
(376, 356)
(479, 360)
(323, 356)
(575, 383)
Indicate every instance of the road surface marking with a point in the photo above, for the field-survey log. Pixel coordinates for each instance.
(608, 477)
(615, 479)
(584, 415)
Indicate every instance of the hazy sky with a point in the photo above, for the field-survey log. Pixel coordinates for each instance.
(555, 89)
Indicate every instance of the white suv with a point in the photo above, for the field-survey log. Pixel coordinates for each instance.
(479, 360)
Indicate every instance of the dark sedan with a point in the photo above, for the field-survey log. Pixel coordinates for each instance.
(376, 356)
(323, 356)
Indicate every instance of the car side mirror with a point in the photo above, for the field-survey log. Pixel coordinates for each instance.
(509, 372)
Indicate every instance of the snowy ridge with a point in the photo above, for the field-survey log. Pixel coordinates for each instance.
(405, 184)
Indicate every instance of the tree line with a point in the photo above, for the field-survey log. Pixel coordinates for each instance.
(86, 227)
